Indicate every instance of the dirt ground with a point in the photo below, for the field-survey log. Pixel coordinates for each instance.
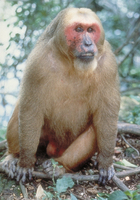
(10, 190)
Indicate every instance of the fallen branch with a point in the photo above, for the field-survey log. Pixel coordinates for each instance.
(78, 177)
(130, 145)
(115, 179)
(119, 183)
(128, 172)
(129, 128)
(121, 166)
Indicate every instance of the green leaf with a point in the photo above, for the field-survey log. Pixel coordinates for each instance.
(129, 151)
(73, 197)
(137, 197)
(138, 188)
(49, 195)
(101, 198)
(131, 193)
(126, 163)
(63, 184)
(103, 195)
(54, 163)
(118, 195)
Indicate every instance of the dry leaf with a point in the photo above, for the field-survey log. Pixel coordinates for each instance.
(40, 193)
(92, 191)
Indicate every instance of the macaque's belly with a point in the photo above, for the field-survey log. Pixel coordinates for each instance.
(66, 123)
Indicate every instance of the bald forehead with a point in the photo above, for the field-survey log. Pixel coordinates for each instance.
(82, 15)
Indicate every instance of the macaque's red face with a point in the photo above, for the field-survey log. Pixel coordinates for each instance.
(82, 39)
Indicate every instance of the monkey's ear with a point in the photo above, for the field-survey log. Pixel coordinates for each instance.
(52, 27)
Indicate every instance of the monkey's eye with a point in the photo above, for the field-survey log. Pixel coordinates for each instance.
(79, 29)
(90, 30)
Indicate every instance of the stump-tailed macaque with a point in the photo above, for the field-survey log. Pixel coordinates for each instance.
(69, 99)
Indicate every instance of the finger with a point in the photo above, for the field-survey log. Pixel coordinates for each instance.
(30, 171)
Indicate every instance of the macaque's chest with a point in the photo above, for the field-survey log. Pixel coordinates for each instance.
(68, 110)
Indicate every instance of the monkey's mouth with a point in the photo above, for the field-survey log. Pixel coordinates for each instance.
(88, 56)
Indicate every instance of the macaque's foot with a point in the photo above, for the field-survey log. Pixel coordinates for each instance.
(105, 175)
(23, 173)
(10, 166)
(52, 168)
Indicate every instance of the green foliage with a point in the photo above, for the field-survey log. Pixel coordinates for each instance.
(2, 134)
(124, 162)
(54, 164)
(102, 196)
(49, 195)
(6, 184)
(133, 116)
(63, 183)
(119, 195)
(132, 195)
(138, 188)
(73, 197)
(129, 151)
(61, 186)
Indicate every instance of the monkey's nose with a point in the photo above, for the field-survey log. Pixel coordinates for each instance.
(88, 43)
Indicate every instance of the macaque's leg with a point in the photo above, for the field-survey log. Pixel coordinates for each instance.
(81, 150)
(12, 133)
(27, 148)
(105, 123)
(10, 162)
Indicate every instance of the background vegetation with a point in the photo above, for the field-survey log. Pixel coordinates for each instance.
(22, 22)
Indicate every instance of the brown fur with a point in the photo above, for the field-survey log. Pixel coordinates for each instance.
(60, 100)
